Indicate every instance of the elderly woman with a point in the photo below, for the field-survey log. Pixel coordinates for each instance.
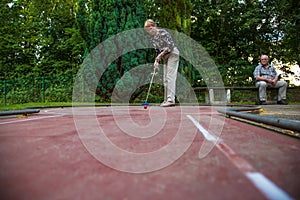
(169, 54)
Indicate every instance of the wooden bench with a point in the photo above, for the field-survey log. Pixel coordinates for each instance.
(222, 95)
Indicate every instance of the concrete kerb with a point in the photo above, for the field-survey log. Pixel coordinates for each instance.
(247, 113)
(19, 112)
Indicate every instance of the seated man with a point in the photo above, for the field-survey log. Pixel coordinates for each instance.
(266, 76)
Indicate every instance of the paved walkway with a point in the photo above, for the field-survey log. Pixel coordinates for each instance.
(291, 112)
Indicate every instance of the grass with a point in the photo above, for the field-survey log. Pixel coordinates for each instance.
(51, 104)
(33, 105)
(69, 104)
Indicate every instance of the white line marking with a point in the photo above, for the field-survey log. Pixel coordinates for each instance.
(205, 133)
(31, 119)
(263, 184)
(270, 190)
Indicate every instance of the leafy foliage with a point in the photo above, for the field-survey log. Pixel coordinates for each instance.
(53, 38)
(37, 89)
(39, 38)
(99, 20)
(234, 31)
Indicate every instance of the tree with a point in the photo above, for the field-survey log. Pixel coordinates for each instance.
(61, 46)
(287, 22)
(12, 44)
(99, 20)
(39, 38)
(236, 33)
(171, 14)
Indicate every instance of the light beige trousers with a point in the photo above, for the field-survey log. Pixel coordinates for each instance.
(171, 62)
(281, 85)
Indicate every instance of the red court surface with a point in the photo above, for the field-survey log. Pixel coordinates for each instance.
(120, 152)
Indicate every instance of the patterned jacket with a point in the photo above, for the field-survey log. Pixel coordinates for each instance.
(163, 42)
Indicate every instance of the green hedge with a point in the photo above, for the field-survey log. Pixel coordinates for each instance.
(36, 89)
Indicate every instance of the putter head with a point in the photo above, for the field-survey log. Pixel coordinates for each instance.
(145, 103)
